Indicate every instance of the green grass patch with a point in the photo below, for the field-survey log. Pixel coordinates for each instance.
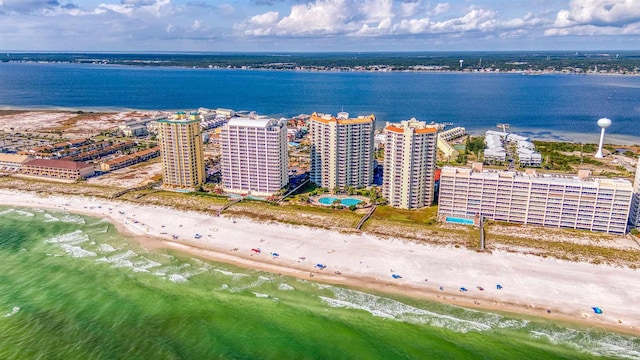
(423, 216)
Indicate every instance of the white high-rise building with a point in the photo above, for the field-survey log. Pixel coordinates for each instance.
(182, 153)
(580, 202)
(254, 156)
(634, 215)
(341, 150)
(409, 164)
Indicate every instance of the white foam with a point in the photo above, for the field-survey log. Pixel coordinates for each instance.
(261, 280)
(120, 260)
(145, 264)
(50, 218)
(229, 273)
(388, 308)
(610, 345)
(73, 219)
(8, 211)
(103, 230)
(177, 278)
(285, 287)
(24, 213)
(260, 295)
(13, 311)
(76, 251)
(106, 248)
(72, 238)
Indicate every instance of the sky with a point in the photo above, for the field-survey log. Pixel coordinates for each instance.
(318, 25)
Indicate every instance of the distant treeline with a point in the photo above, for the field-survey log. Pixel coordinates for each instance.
(610, 61)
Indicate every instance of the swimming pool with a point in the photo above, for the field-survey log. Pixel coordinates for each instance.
(456, 220)
(328, 200)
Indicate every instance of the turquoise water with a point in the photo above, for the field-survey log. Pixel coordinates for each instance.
(328, 200)
(71, 287)
(457, 220)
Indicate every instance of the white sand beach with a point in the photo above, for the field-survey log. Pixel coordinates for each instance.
(531, 285)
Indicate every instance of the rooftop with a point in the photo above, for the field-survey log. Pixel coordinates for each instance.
(251, 122)
(327, 118)
(58, 164)
(14, 158)
(538, 177)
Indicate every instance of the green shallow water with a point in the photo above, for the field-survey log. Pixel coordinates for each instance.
(71, 287)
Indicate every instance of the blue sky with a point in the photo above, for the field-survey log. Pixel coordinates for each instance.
(318, 25)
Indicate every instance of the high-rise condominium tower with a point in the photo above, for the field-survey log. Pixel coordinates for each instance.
(181, 150)
(409, 164)
(254, 156)
(341, 150)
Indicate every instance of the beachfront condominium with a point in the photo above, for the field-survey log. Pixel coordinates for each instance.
(341, 150)
(254, 156)
(577, 202)
(409, 164)
(634, 215)
(181, 150)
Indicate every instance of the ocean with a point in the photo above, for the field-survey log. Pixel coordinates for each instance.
(553, 106)
(72, 287)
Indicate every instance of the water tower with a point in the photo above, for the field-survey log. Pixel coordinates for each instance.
(603, 124)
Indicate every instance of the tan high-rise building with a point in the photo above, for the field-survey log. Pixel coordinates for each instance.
(254, 156)
(341, 150)
(409, 164)
(182, 154)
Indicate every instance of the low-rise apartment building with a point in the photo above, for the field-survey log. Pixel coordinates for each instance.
(580, 202)
(12, 162)
(58, 169)
(128, 160)
(634, 216)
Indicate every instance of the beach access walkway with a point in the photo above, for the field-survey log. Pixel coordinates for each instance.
(137, 188)
(227, 205)
(293, 190)
(366, 216)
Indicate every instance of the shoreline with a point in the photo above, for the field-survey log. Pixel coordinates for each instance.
(617, 139)
(331, 70)
(364, 262)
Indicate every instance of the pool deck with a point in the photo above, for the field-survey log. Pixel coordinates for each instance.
(316, 199)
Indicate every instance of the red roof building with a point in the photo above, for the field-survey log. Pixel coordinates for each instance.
(58, 169)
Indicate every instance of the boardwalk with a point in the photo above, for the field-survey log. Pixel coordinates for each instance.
(366, 217)
(226, 206)
(293, 190)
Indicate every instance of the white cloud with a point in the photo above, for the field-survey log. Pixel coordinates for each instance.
(601, 12)
(474, 20)
(597, 17)
(440, 8)
(268, 18)
(320, 17)
(332, 24)
(379, 18)
(408, 9)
